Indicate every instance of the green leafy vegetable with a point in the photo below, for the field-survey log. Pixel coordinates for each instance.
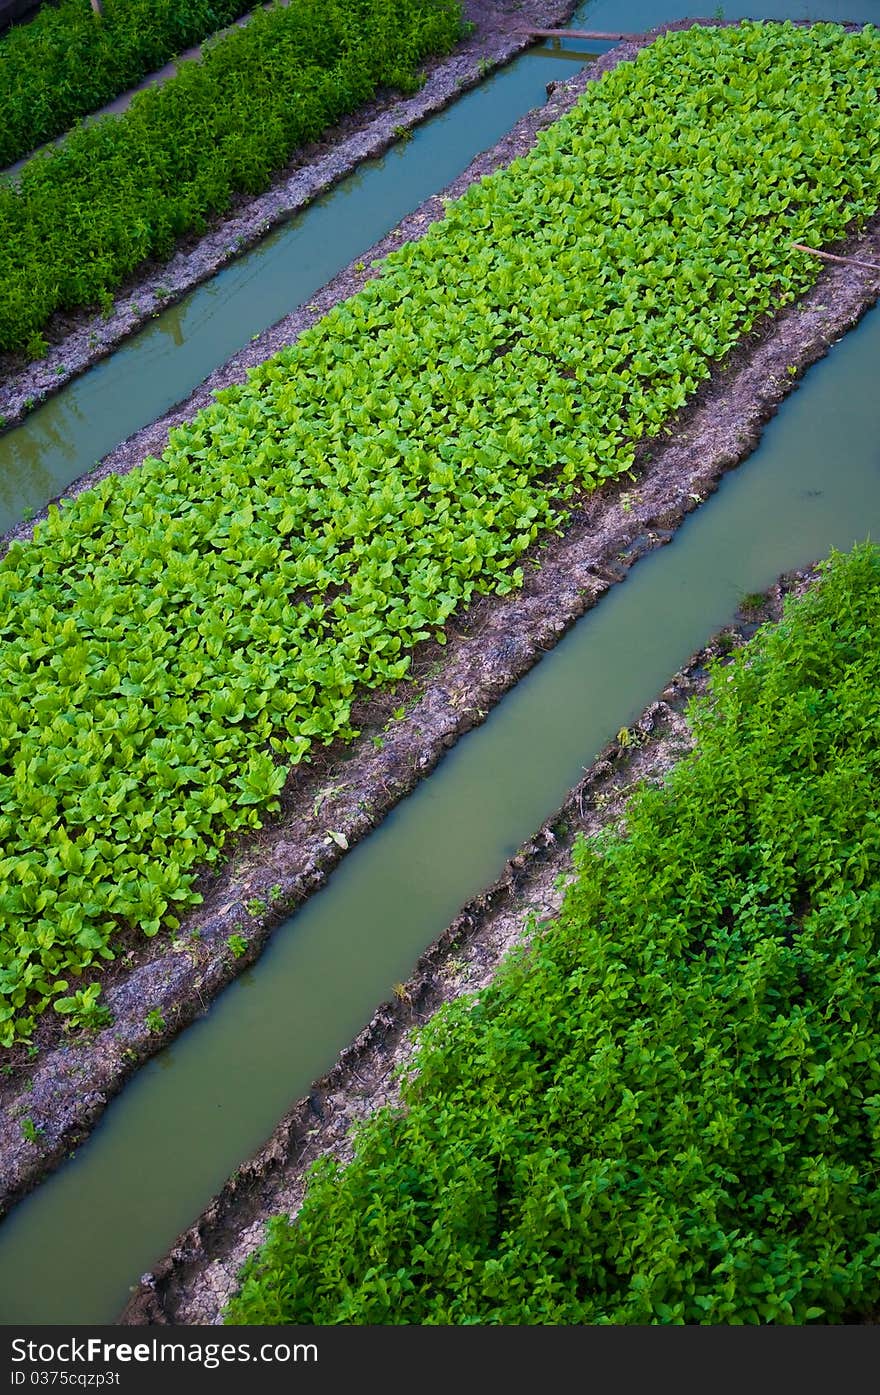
(174, 642)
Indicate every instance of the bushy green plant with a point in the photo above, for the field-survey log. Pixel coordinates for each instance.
(666, 1109)
(66, 61)
(79, 219)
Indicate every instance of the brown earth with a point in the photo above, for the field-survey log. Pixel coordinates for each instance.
(79, 339)
(66, 1087)
(193, 1281)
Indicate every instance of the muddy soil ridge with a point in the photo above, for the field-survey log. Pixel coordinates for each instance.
(81, 338)
(191, 1284)
(65, 1089)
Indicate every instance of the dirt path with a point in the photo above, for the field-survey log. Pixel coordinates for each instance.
(65, 1090)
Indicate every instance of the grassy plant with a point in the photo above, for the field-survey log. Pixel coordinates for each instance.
(665, 1108)
(155, 1022)
(752, 600)
(62, 64)
(238, 945)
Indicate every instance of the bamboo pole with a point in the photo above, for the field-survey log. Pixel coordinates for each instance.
(830, 257)
(576, 34)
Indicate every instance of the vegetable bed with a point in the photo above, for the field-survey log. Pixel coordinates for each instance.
(174, 641)
(666, 1109)
(66, 62)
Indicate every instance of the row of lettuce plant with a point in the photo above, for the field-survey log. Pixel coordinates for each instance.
(173, 642)
(666, 1109)
(68, 61)
(81, 217)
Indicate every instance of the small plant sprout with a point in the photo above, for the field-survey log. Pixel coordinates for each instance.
(237, 945)
(36, 346)
(276, 892)
(29, 1131)
(155, 1021)
(255, 906)
(83, 1009)
(751, 601)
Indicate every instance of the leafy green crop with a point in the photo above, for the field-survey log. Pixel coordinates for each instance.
(66, 62)
(80, 218)
(173, 642)
(667, 1109)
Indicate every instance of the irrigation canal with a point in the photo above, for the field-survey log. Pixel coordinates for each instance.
(70, 1252)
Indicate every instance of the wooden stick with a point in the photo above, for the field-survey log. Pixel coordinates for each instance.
(830, 257)
(576, 34)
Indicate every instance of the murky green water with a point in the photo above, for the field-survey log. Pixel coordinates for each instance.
(161, 365)
(69, 1253)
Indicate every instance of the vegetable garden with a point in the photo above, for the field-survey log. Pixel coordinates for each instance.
(665, 1109)
(80, 218)
(66, 63)
(176, 640)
